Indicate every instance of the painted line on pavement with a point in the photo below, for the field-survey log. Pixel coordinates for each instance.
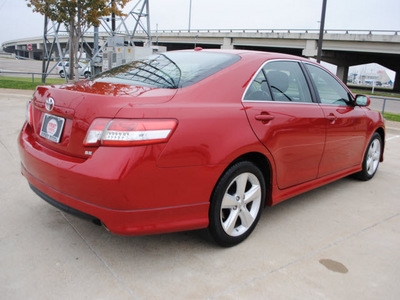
(393, 137)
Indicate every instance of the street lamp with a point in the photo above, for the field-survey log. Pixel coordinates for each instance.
(190, 13)
(321, 31)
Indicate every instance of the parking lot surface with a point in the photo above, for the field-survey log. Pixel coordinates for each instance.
(340, 241)
(18, 65)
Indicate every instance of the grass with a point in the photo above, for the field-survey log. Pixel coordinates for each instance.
(380, 93)
(391, 117)
(24, 83)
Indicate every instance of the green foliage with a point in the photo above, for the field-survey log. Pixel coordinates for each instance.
(63, 11)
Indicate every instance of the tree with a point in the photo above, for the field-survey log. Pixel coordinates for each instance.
(77, 16)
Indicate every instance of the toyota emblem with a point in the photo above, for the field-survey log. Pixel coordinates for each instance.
(49, 104)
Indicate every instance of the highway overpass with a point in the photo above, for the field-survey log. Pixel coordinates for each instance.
(343, 48)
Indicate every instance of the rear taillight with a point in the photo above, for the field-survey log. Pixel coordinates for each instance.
(28, 112)
(129, 132)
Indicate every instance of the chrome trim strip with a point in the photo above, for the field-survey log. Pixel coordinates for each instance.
(272, 101)
(327, 104)
(288, 102)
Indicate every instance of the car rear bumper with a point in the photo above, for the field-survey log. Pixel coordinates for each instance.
(120, 190)
(126, 222)
(64, 207)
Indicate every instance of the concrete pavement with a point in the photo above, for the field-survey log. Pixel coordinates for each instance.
(341, 241)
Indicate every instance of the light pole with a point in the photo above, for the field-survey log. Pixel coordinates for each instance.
(321, 31)
(190, 13)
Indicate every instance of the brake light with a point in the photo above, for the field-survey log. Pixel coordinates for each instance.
(129, 132)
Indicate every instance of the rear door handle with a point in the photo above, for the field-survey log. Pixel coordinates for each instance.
(264, 118)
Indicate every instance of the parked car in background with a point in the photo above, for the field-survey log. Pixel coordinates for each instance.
(196, 139)
(84, 71)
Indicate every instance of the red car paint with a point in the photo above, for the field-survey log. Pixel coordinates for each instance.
(166, 186)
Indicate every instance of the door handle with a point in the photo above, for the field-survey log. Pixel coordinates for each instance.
(331, 117)
(264, 118)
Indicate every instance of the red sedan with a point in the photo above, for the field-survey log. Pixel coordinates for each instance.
(195, 139)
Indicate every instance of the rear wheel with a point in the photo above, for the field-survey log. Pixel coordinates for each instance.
(62, 74)
(236, 204)
(371, 158)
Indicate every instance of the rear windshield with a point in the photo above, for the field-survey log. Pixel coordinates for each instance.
(169, 70)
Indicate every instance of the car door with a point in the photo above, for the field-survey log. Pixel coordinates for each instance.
(346, 123)
(281, 113)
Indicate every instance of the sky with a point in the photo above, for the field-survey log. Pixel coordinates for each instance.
(18, 21)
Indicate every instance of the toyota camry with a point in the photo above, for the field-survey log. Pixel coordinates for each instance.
(195, 139)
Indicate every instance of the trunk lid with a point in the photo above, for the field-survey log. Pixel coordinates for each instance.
(77, 105)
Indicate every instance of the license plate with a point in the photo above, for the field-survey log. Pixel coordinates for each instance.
(52, 128)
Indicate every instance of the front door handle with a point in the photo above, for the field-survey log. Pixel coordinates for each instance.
(331, 117)
(264, 118)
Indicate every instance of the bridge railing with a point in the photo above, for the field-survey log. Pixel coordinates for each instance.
(316, 31)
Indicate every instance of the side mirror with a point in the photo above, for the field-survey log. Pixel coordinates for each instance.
(362, 100)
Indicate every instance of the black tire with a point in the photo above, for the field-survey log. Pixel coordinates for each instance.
(371, 159)
(62, 74)
(232, 217)
(87, 74)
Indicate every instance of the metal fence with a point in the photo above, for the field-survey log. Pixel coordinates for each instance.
(385, 99)
(29, 73)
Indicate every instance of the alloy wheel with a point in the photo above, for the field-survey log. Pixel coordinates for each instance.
(373, 156)
(240, 204)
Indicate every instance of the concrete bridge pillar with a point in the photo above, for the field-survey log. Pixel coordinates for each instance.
(227, 44)
(342, 72)
(311, 48)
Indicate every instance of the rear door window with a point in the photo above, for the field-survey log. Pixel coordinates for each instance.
(279, 81)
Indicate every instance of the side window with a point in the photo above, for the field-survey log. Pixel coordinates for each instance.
(287, 82)
(329, 89)
(280, 81)
(258, 89)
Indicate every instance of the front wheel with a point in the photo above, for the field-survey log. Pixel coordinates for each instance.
(236, 204)
(371, 158)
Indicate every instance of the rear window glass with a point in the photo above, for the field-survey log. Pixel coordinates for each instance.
(169, 70)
